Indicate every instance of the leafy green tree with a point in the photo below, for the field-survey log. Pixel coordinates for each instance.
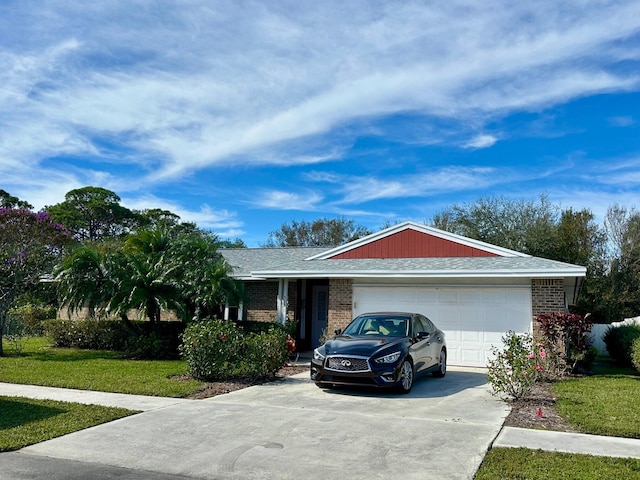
(610, 291)
(157, 217)
(579, 239)
(30, 245)
(93, 214)
(9, 201)
(323, 232)
(235, 243)
(525, 226)
(625, 271)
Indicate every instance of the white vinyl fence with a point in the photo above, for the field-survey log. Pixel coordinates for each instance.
(599, 329)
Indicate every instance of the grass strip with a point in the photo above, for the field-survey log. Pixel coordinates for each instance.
(25, 421)
(106, 371)
(525, 464)
(603, 404)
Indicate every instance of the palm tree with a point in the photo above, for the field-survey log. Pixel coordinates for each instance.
(162, 268)
(85, 278)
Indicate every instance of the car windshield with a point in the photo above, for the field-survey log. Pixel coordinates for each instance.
(380, 325)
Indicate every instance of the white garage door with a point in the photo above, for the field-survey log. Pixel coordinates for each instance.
(473, 318)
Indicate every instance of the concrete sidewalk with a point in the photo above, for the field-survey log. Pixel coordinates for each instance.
(132, 402)
(568, 442)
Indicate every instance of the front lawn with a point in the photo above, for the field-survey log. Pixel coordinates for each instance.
(104, 371)
(24, 421)
(603, 404)
(525, 464)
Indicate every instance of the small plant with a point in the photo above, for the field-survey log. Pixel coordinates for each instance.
(515, 369)
(635, 354)
(16, 333)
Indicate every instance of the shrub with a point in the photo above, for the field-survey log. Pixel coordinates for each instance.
(139, 339)
(218, 350)
(515, 369)
(635, 354)
(32, 317)
(619, 342)
(253, 326)
(88, 334)
(565, 338)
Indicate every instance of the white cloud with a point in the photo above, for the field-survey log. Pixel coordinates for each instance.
(206, 217)
(280, 200)
(481, 141)
(361, 189)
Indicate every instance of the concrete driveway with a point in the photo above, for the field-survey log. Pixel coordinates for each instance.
(286, 430)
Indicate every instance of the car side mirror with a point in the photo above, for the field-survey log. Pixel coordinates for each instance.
(338, 331)
(423, 336)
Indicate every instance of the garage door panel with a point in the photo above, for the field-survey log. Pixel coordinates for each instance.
(473, 318)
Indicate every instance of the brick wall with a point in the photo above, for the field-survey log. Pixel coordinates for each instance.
(261, 305)
(340, 303)
(547, 296)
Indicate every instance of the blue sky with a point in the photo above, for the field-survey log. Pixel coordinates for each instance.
(241, 116)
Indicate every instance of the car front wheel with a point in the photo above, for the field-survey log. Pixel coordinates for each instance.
(405, 383)
(442, 365)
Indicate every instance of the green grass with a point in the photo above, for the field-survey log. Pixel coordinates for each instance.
(525, 464)
(606, 403)
(104, 371)
(25, 421)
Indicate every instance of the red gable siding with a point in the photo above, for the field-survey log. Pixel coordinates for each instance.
(412, 244)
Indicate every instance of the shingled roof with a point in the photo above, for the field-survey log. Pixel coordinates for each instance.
(317, 262)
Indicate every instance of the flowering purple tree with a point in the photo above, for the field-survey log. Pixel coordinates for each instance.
(30, 245)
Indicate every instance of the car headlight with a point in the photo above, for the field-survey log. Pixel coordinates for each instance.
(391, 358)
(317, 355)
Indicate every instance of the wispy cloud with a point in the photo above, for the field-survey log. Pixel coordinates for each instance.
(355, 190)
(224, 222)
(280, 200)
(481, 141)
(624, 121)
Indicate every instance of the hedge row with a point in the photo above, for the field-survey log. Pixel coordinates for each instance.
(137, 339)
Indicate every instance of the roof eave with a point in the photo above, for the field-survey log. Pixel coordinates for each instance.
(509, 273)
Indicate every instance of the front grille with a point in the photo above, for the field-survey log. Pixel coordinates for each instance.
(348, 364)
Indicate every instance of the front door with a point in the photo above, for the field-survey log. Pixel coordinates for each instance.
(319, 313)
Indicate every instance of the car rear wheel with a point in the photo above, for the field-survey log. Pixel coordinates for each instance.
(442, 365)
(405, 383)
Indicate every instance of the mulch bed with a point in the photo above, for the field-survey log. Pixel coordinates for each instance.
(538, 411)
(218, 388)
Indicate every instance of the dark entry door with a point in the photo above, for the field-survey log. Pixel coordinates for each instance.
(319, 313)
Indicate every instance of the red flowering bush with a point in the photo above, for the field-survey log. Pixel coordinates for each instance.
(565, 337)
